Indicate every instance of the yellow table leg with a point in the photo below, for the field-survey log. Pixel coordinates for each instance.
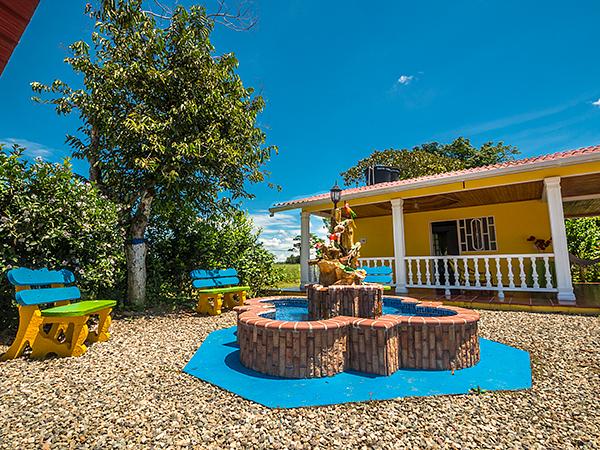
(202, 305)
(214, 309)
(30, 321)
(234, 299)
(101, 334)
(75, 335)
(210, 304)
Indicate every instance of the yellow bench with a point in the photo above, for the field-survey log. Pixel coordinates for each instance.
(215, 287)
(62, 329)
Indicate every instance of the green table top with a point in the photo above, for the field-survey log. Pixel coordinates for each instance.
(225, 290)
(79, 309)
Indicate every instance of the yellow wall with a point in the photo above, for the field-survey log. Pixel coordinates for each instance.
(515, 222)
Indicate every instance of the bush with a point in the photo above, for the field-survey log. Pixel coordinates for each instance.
(182, 243)
(583, 238)
(50, 217)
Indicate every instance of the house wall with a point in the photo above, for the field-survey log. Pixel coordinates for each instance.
(515, 222)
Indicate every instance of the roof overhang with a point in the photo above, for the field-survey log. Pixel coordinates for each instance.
(442, 180)
(14, 18)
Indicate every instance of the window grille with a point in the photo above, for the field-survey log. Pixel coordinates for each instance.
(477, 234)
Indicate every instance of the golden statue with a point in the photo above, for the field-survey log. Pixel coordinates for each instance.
(338, 260)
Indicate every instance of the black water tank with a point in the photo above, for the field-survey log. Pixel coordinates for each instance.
(381, 174)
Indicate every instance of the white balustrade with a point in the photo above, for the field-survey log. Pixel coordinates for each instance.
(519, 272)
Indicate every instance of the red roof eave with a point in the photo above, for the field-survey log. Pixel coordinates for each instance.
(14, 18)
(567, 157)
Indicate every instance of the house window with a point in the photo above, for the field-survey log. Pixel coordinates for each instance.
(477, 234)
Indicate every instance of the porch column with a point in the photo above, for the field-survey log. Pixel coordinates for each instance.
(559, 241)
(304, 248)
(399, 248)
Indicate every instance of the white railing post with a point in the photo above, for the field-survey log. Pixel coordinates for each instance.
(305, 277)
(446, 279)
(559, 241)
(399, 247)
(499, 284)
(547, 273)
(488, 275)
(511, 277)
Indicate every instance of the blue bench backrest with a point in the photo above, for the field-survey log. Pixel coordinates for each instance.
(214, 278)
(40, 280)
(380, 274)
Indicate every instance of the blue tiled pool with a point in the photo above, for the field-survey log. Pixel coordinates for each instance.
(296, 309)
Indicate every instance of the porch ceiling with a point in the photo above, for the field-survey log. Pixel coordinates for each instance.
(582, 208)
(460, 199)
(581, 198)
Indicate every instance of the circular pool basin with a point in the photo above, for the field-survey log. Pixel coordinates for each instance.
(296, 309)
(276, 338)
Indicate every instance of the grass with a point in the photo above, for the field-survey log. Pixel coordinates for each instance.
(290, 275)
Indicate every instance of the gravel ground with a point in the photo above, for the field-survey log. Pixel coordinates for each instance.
(131, 393)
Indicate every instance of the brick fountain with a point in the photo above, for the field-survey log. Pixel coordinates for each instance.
(346, 330)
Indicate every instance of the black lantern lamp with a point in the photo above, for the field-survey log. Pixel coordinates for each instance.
(335, 193)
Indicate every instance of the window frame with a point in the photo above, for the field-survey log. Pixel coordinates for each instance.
(458, 235)
(487, 233)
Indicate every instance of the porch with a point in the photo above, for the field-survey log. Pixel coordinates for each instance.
(467, 277)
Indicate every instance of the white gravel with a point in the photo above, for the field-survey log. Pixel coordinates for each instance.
(130, 393)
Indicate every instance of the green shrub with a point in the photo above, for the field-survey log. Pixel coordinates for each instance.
(50, 217)
(181, 243)
(583, 238)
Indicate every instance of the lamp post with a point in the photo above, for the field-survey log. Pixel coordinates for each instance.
(335, 193)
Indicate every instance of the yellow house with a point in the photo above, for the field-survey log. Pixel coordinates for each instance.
(468, 230)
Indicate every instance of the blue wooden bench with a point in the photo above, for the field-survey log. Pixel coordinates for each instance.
(379, 275)
(62, 328)
(215, 287)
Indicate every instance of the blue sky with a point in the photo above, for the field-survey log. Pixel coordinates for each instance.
(342, 79)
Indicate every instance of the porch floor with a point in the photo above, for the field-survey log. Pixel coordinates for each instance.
(586, 303)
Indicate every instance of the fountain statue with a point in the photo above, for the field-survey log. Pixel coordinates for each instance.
(341, 290)
(338, 260)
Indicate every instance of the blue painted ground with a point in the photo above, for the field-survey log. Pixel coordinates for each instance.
(217, 362)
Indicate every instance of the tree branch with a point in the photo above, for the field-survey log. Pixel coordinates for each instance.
(242, 19)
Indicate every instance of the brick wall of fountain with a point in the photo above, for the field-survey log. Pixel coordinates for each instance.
(381, 345)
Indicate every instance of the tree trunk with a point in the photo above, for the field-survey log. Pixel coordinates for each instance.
(136, 273)
(95, 175)
(136, 251)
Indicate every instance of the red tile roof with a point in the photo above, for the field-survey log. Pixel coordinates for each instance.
(559, 156)
(14, 17)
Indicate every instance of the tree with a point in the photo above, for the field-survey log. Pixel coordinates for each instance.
(165, 122)
(432, 158)
(292, 259)
(188, 242)
(297, 243)
(52, 218)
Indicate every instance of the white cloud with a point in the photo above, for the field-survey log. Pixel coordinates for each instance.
(278, 232)
(405, 79)
(596, 103)
(32, 149)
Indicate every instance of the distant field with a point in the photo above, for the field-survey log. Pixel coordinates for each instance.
(290, 274)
